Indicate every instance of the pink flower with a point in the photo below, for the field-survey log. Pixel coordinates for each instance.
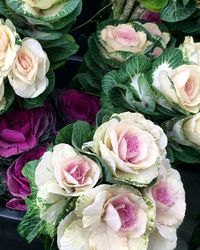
(124, 37)
(17, 184)
(21, 129)
(74, 105)
(150, 16)
(108, 217)
(168, 196)
(131, 146)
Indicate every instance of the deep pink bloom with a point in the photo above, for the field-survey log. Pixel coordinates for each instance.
(21, 129)
(150, 16)
(74, 105)
(17, 184)
(16, 203)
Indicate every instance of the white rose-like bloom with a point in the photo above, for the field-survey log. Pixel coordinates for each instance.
(168, 196)
(28, 75)
(41, 4)
(191, 50)
(60, 174)
(131, 146)
(180, 86)
(186, 131)
(8, 46)
(124, 37)
(107, 217)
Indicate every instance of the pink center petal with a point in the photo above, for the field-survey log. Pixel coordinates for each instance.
(163, 195)
(127, 212)
(76, 172)
(125, 35)
(129, 148)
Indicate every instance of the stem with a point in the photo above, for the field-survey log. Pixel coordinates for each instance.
(127, 10)
(118, 6)
(90, 20)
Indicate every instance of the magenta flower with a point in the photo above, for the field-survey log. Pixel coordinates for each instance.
(150, 16)
(76, 105)
(21, 130)
(17, 184)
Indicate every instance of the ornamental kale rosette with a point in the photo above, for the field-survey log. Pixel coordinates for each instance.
(56, 180)
(84, 189)
(22, 130)
(117, 41)
(74, 105)
(24, 69)
(132, 148)
(177, 82)
(47, 21)
(168, 196)
(17, 184)
(183, 134)
(107, 217)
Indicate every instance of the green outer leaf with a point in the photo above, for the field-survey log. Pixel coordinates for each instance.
(187, 154)
(75, 134)
(103, 116)
(127, 87)
(32, 225)
(68, 7)
(63, 51)
(65, 135)
(43, 35)
(82, 132)
(29, 103)
(171, 56)
(154, 5)
(9, 96)
(176, 11)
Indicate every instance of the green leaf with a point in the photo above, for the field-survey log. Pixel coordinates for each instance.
(177, 11)
(43, 35)
(29, 103)
(29, 172)
(63, 51)
(171, 56)
(154, 5)
(32, 225)
(8, 98)
(82, 132)
(187, 154)
(103, 116)
(52, 14)
(65, 135)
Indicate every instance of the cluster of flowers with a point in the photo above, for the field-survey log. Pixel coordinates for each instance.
(136, 66)
(109, 186)
(24, 134)
(24, 63)
(117, 191)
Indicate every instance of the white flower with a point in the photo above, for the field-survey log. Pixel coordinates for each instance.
(8, 46)
(28, 75)
(72, 173)
(41, 4)
(169, 197)
(107, 217)
(124, 37)
(180, 86)
(62, 174)
(191, 50)
(131, 146)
